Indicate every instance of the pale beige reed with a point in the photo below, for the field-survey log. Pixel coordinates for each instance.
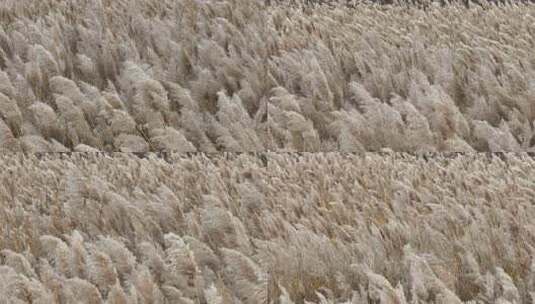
(239, 76)
(225, 229)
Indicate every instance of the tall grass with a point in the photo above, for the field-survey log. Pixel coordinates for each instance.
(132, 76)
(239, 75)
(301, 228)
(403, 78)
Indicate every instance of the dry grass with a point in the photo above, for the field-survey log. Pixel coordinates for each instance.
(280, 228)
(132, 76)
(239, 76)
(405, 79)
(233, 228)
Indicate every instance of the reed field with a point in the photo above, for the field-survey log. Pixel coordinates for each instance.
(267, 152)
(245, 76)
(328, 228)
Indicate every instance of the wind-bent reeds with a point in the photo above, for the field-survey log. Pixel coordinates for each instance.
(310, 228)
(242, 76)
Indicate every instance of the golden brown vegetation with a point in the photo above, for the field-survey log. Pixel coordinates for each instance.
(134, 76)
(237, 75)
(406, 79)
(310, 228)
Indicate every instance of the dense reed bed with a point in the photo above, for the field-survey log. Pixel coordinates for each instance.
(271, 228)
(244, 76)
